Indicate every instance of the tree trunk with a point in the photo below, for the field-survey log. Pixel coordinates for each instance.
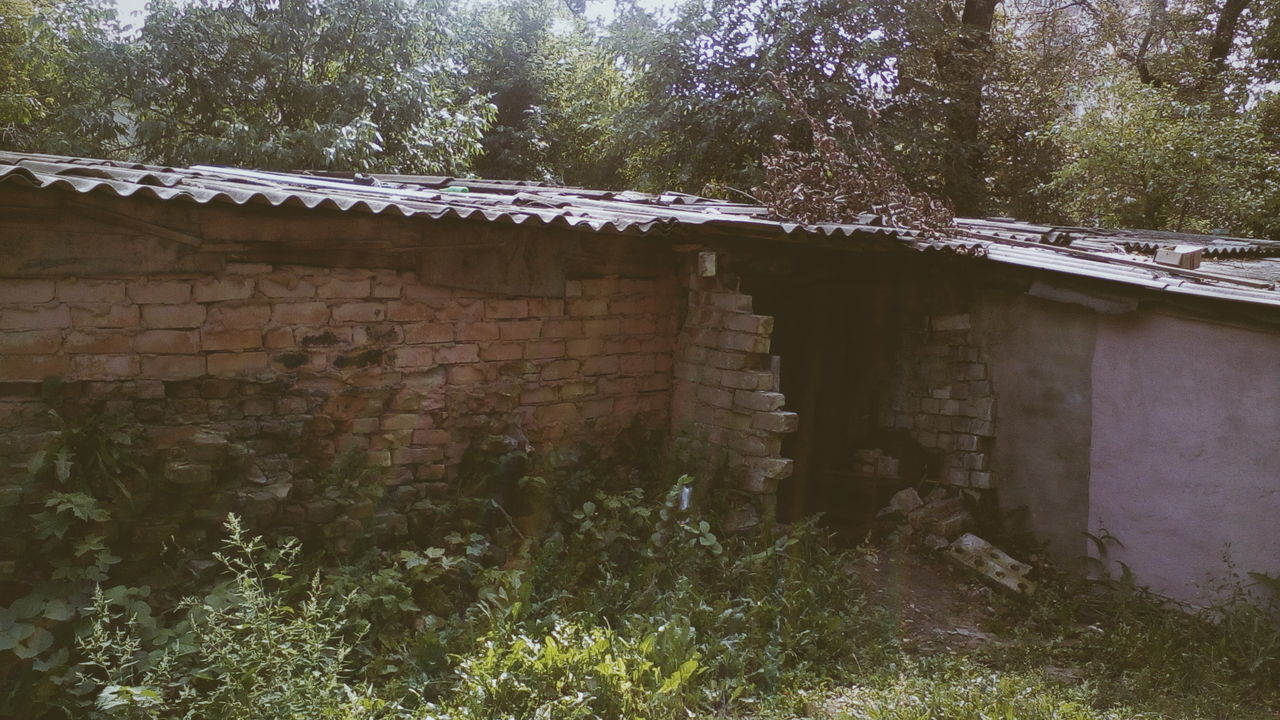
(1224, 38)
(962, 69)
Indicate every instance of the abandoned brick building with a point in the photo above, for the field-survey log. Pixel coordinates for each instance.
(255, 322)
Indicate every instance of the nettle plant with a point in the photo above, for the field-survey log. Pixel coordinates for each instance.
(75, 490)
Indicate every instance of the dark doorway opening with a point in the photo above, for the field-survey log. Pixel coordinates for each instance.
(836, 332)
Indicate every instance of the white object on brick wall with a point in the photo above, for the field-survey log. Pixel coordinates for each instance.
(706, 264)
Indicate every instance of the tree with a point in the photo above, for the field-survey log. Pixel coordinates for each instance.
(348, 84)
(705, 111)
(555, 88)
(962, 63)
(1139, 156)
(57, 89)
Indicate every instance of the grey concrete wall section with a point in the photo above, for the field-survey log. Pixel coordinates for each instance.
(1040, 357)
(1185, 459)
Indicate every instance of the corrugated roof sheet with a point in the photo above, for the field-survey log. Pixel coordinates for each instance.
(521, 203)
(1238, 269)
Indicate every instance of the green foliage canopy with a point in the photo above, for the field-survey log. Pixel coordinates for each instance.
(1140, 157)
(350, 84)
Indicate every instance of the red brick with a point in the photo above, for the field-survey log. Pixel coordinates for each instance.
(588, 307)
(104, 367)
(322, 336)
(279, 338)
(754, 324)
(406, 421)
(30, 342)
(575, 390)
(619, 386)
(639, 326)
(415, 356)
(160, 292)
(560, 370)
(476, 331)
(601, 328)
(240, 268)
(600, 365)
(415, 290)
(459, 310)
(520, 329)
(659, 344)
(729, 301)
(426, 332)
(546, 308)
(91, 291)
(104, 316)
(285, 285)
(562, 329)
(715, 397)
(506, 309)
(780, 421)
(623, 345)
(403, 311)
(387, 285)
(452, 354)
(633, 305)
(32, 367)
(539, 395)
(231, 339)
(593, 409)
(559, 414)
(747, 379)
(413, 456)
(584, 347)
(33, 317)
(359, 312)
(431, 437)
(173, 367)
(99, 341)
(744, 342)
(599, 286)
(544, 349)
(13, 290)
(344, 288)
(759, 401)
(501, 351)
(378, 334)
(636, 364)
(213, 289)
(467, 375)
(255, 407)
(658, 381)
(168, 342)
(242, 316)
(300, 313)
(231, 364)
(173, 316)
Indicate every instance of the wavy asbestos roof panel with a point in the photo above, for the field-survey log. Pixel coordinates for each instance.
(1101, 254)
(519, 203)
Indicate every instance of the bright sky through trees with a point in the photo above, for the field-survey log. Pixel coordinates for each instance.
(596, 9)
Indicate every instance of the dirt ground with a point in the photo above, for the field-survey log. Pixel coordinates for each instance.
(938, 605)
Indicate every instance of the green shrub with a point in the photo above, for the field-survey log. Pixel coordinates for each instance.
(955, 689)
(578, 671)
(252, 651)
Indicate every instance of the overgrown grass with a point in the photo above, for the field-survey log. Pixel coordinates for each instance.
(582, 591)
(1134, 647)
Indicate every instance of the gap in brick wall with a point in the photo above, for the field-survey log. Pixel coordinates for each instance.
(838, 338)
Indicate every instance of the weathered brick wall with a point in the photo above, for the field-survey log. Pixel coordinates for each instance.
(256, 377)
(726, 390)
(942, 396)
